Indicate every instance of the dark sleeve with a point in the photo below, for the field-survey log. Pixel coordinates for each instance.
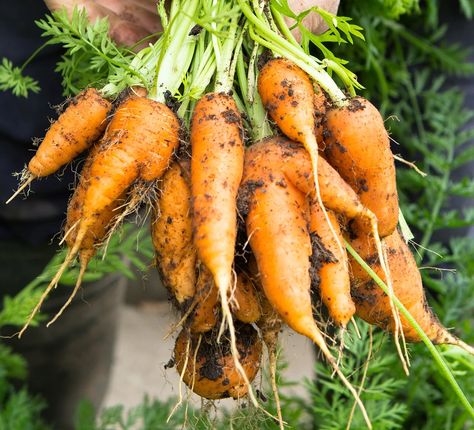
(39, 217)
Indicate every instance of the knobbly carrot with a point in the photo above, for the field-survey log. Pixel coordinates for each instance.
(277, 227)
(138, 145)
(333, 274)
(171, 230)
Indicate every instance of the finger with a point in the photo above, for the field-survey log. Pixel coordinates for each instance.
(133, 13)
(313, 20)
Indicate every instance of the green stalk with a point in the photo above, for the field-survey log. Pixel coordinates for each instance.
(294, 53)
(178, 49)
(441, 363)
(282, 26)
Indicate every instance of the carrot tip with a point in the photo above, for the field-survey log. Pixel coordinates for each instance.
(27, 181)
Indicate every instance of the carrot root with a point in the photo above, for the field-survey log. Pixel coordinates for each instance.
(73, 294)
(26, 181)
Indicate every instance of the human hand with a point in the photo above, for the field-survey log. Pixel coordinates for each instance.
(312, 21)
(132, 20)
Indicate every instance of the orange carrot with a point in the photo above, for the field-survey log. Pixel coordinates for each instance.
(138, 144)
(171, 231)
(208, 368)
(373, 304)
(245, 305)
(77, 128)
(358, 147)
(277, 227)
(205, 313)
(216, 171)
(333, 274)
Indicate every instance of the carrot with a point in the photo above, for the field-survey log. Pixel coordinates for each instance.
(245, 305)
(205, 313)
(171, 231)
(289, 97)
(333, 273)
(138, 145)
(359, 149)
(373, 306)
(76, 129)
(277, 227)
(216, 172)
(208, 368)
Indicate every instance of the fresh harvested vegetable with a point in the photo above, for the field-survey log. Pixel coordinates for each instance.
(95, 235)
(205, 313)
(208, 368)
(138, 144)
(372, 304)
(288, 95)
(77, 128)
(245, 304)
(358, 147)
(171, 231)
(216, 172)
(277, 221)
(331, 269)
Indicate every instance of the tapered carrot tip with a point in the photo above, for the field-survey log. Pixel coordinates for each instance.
(29, 179)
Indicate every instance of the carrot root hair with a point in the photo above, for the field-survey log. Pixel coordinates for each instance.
(26, 179)
(54, 282)
(316, 336)
(272, 362)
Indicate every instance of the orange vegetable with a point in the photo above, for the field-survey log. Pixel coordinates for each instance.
(277, 227)
(245, 305)
(138, 144)
(373, 304)
(205, 313)
(171, 231)
(208, 368)
(76, 129)
(333, 274)
(358, 148)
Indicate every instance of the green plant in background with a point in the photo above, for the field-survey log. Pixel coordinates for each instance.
(19, 410)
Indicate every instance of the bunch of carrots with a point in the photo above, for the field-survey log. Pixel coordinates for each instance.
(271, 192)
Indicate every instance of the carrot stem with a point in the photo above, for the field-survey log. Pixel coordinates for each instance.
(441, 363)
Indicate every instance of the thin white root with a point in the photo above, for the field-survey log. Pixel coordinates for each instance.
(70, 230)
(272, 359)
(465, 346)
(317, 338)
(73, 294)
(27, 181)
(410, 164)
(181, 377)
(398, 333)
(356, 327)
(54, 282)
(314, 156)
(223, 282)
(174, 327)
(364, 376)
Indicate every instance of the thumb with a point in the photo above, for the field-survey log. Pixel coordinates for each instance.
(313, 20)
